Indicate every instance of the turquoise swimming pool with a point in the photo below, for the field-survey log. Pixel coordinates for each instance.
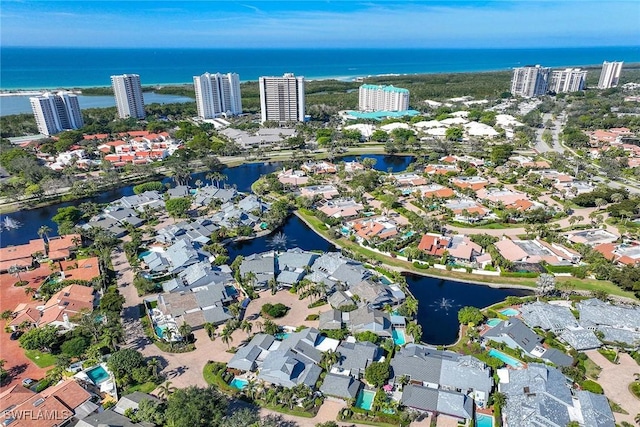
(159, 331)
(483, 420)
(239, 383)
(98, 375)
(510, 312)
(385, 281)
(492, 323)
(281, 335)
(365, 399)
(144, 254)
(515, 363)
(399, 337)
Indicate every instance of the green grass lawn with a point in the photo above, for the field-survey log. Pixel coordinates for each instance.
(42, 360)
(580, 284)
(147, 387)
(592, 370)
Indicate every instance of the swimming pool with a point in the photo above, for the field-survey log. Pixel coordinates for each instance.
(144, 254)
(483, 420)
(385, 281)
(515, 363)
(365, 399)
(239, 383)
(98, 375)
(159, 331)
(398, 337)
(510, 312)
(281, 335)
(492, 323)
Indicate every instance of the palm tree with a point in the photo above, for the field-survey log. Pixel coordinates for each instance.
(166, 389)
(329, 359)
(250, 388)
(29, 291)
(637, 418)
(273, 285)
(154, 365)
(113, 335)
(616, 197)
(226, 337)
(211, 330)
(259, 325)
(246, 326)
(44, 231)
(250, 278)
(15, 271)
(185, 330)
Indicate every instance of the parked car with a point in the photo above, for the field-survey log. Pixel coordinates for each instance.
(15, 335)
(27, 382)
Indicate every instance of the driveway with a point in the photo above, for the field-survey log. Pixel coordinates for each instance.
(615, 380)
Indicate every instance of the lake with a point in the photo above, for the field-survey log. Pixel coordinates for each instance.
(439, 299)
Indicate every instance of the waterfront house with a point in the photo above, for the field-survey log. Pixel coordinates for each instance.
(437, 401)
(541, 395)
(443, 370)
(592, 237)
(262, 266)
(332, 268)
(516, 335)
(148, 200)
(618, 323)
(434, 244)
(319, 167)
(373, 228)
(341, 208)
(367, 319)
(198, 231)
(205, 195)
(536, 251)
(199, 276)
(20, 256)
(292, 265)
(326, 191)
(293, 177)
(62, 247)
(627, 253)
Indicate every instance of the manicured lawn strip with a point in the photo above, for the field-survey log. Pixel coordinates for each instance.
(634, 388)
(147, 387)
(42, 360)
(592, 370)
(610, 355)
(217, 381)
(581, 284)
(287, 411)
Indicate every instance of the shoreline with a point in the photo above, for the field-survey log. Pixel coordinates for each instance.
(23, 91)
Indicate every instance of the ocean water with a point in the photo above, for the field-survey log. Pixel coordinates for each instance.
(36, 68)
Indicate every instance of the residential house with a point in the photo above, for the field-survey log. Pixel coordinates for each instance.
(64, 403)
(355, 357)
(176, 257)
(433, 191)
(332, 268)
(319, 167)
(108, 418)
(408, 179)
(469, 160)
(132, 401)
(466, 210)
(20, 256)
(443, 370)
(434, 244)
(148, 200)
(292, 265)
(536, 251)
(59, 310)
(462, 250)
(198, 231)
(515, 334)
(368, 319)
(373, 228)
(375, 294)
(86, 269)
(592, 237)
(61, 247)
(441, 169)
(618, 323)
(341, 208)
(196, 308)
(626, 253)
(251, 356)
(340, 386)
(473, 182)
(330, 320)
(340, 299)
(207, 194)
(437, 401)
(293, 177)
(541, 395)
(327, 191)
(200, 275)
(178, 192)
(262, 266)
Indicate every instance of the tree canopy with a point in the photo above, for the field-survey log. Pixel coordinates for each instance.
(467, 315)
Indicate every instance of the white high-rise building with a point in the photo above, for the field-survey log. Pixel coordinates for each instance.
(383, 98)
(568, 80)
(530, 81)
(56, 112)
(610, 74)
(217, 94)
(128, 92)
(282, 98)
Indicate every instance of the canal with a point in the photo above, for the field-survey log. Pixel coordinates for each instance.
(439, 299)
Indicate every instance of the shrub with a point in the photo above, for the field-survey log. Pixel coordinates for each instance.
(313, 317)
(275, 310)
(592, 386)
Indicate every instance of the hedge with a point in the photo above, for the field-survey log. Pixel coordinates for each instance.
(528, 274)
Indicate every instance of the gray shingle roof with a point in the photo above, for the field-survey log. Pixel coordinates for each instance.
(288, 369)
(355, 357)
(343, 386)
(580, 339)
(339, 299)
(331, 319)
(434, 400)
(596, 411)
(604, 313)
(548, 316)
(247, 357)
(366, 318)
(517, 331)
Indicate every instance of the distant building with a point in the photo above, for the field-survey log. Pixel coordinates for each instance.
(530, 81)
(128, 93)
(383, 98)
(568, 80)
(56, 112)
(282, 98)
(217, 94)
(610, 75)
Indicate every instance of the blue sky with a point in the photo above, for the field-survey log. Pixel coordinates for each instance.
(341, 23)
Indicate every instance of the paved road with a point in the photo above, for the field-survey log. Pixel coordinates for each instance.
(543, 147)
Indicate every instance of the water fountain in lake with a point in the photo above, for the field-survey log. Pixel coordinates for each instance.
(7, 223)
(279, 241)
(444, 304)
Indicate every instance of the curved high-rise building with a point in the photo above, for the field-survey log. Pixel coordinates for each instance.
(217, 94)
(56, 112)
(610, 74)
